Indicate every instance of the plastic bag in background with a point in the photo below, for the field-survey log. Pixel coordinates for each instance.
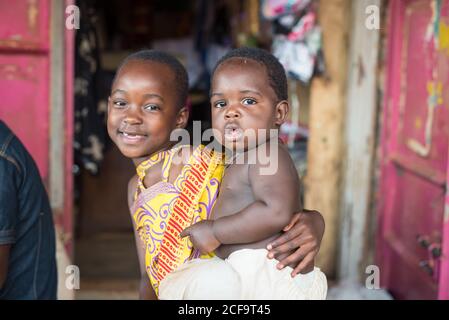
(273, 9)
(298, 57)
(297, 38)
(304, 26)
(184, 50)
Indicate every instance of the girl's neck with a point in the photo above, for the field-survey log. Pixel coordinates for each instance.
(139, 160)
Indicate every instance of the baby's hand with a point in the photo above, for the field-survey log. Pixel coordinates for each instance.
(202, 236)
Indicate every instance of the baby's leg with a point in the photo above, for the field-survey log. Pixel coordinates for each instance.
(201, 279)
(261, 280)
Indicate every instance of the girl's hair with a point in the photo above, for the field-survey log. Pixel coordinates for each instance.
(181, 85)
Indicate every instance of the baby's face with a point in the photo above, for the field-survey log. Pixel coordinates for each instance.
(243, 104)
(142, 108)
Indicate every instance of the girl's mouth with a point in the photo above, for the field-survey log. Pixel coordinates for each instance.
(132, 137)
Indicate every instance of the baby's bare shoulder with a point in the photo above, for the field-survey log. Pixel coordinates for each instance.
(273, 152)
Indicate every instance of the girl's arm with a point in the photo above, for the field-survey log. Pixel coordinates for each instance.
(304, 234)
(146, 291)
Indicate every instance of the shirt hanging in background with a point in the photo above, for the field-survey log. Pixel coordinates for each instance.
(90, 109)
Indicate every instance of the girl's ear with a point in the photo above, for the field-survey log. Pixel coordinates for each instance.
(109, 104)
(281, 112)
(182, 118)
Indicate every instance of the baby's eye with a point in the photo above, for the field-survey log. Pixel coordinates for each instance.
(248, 101)
(119, 104)
(220, 104)
(152, 107)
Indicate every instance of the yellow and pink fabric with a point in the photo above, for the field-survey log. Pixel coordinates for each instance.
(163, 210)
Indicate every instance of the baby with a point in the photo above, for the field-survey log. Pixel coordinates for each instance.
(249, 104)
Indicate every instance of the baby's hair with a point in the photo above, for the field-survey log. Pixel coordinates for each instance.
(275, 70)
(181, 85)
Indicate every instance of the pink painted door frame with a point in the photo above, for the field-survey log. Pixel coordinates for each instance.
(26, 67)
(61, 122)
(443, 293)
(69, 129)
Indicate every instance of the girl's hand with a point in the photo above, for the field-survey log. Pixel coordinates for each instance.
(302, 236)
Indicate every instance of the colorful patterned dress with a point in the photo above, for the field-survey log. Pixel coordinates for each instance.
(163, 210)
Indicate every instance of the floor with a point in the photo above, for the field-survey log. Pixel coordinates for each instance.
(109, 270)
(355, 291)
(108, 267)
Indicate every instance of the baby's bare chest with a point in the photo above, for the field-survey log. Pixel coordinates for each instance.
(235, 191)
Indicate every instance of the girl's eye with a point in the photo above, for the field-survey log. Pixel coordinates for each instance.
(151, 107)
(220, 104)
(248, 101)
(119, 104)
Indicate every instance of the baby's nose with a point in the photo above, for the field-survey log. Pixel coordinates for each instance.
(232, 113)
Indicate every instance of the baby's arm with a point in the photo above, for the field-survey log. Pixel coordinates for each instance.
(277, 197)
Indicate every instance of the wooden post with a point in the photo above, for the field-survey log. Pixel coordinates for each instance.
(327, 114)
(61, 133)
(359, 140)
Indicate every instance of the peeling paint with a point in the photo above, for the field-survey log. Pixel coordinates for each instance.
(435, 98)
(435, 92)
(433, 29)
(446, 212)
(444, 38)
(418, 123)
(436, 31)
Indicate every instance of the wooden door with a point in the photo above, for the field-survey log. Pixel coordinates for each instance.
(414, 151)
(24, 73)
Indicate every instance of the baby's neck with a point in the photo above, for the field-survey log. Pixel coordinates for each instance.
(250, 155)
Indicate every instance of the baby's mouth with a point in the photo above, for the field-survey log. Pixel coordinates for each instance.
(233, 132)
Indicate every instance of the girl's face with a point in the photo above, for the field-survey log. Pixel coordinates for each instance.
(143, 110)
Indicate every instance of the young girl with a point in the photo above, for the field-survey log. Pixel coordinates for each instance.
(146, 104)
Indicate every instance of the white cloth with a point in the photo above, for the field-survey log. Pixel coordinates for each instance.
(201, 279)
(246, 274)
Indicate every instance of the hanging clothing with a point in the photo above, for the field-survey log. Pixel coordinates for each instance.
(272, 9)
(90, 106)
(297, 37)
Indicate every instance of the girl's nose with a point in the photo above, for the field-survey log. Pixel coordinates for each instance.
(133, 116)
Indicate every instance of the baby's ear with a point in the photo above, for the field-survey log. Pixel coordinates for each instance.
(281, 112)
(182, 118)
